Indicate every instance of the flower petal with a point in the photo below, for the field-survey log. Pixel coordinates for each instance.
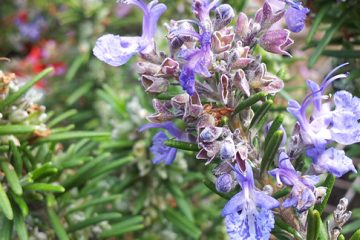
(334, 161)
(115, 50)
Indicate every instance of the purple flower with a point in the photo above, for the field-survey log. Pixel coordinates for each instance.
(331, 160)
(202, 8)
(224, 183)
(275, 41)
(116, 50)
(302, 195)
(197, 62)
(324, 126)
(295, 16)
(31, 30)
(161, 152)
(248, 214)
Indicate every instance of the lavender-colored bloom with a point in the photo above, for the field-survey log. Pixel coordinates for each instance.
(248, 214)
(325, 126)
(331, 160)
(161, 152)
(276, 41)
(227, 150)
(224, 183)
(202, 8)
(295, 16)
(198, 61)
(224, 15)
(302, 195)
(116, 50)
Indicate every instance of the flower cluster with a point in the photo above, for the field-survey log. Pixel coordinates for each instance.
(325, 126)
(211, 67)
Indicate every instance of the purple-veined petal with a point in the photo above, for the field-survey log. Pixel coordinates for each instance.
(265, 201)
(169, 126)
(251, 224)
(235, 204)
(334, 161)
(161, 152)
(116, 50)
(187, 80)
(295, 17)
(151, 19)
(316, 94)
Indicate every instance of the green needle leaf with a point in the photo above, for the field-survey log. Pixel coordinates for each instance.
(182, 145)
(17, 157)
(20, 203)
(16, 129)
(316, 23)
(5, 205)
(274, 127)
(63, 136)
(56, 223)
(15, 96)
(284, 226)
(183, 223)
(326, 39)
(271, 150)
(44, 187)
(61, 117)
(250, 101)
(11, 176)
(281, 193)
(329, 184)
(356, 235)
(260, 113)
(45, 169)
(313, 225)
(20, 226)
(128, 225)
(5, 228)
(94, 220)
(95, 202)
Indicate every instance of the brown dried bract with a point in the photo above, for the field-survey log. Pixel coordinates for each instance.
(5, 80)
(218, 113)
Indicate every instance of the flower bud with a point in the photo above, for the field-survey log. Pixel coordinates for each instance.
(227, 150)
(224, 183)
(224, 15)
(210, 134)
(18, 116)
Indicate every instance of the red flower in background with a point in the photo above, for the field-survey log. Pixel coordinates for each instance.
(40, 57)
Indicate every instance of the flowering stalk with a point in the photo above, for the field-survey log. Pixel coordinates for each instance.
(217, 79)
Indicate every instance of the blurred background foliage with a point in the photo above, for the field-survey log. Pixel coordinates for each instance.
(90, 176)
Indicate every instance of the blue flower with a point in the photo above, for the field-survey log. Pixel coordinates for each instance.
(160, 151)
(248, 214)
(325, 126)
(331, 160)
(202, 8)
(116, 50)
(302, 195)
(197, 62)
(295, 15)
(31, 30)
